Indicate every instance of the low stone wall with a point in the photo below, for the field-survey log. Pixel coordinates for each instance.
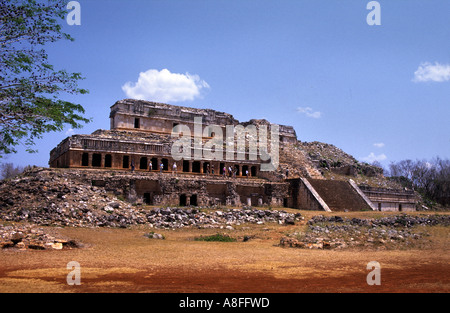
(384, 199)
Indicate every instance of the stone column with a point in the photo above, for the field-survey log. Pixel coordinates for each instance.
(72, 156)
(217, 168)
(114, 160)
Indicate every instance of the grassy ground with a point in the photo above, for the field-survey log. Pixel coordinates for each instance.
(125, 260)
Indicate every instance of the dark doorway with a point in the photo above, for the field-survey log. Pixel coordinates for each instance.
(245, 170)
(193, 201)
(253, 171)
(183, 200)
(96, 159)
(222, 165)
(143, 163)
(126, 161)
(147, 198)
(108, 160)
(137, 123)
(155, 164)
(196, 167)
(165, 163)
(400, 207)
(85, 159)
(185, 166)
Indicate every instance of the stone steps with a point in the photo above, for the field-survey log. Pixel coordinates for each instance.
(339, 195)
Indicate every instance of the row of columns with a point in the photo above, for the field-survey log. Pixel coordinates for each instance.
(92, 159)
(227, 169)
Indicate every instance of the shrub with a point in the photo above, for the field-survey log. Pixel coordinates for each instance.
(216, 237)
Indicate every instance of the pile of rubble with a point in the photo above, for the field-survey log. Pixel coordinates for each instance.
(178, 217)
(29, 236)
(113, 215)
(327, 155)
(336, 232)
(402, 220)
(52, 198)
(334, 163)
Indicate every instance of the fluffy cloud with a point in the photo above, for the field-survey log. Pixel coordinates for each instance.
(164, 86)
(309, 112)
(429, 72)
(378, 144)
(372, 158)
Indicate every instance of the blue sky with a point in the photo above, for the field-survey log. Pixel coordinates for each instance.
(378, 92)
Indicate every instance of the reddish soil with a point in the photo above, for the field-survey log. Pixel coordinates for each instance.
(124, 260)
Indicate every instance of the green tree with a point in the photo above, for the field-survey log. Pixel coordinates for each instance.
(30, 87)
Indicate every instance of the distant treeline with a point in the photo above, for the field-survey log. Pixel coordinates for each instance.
(430, 178)
(8, 170)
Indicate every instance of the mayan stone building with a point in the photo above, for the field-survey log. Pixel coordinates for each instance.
(141, 156)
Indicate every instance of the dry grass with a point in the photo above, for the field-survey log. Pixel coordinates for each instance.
(124, 260)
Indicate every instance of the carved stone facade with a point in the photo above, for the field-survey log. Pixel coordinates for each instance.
(141, 139)
(136, 156)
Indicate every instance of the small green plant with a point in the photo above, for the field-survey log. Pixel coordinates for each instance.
(216, 237)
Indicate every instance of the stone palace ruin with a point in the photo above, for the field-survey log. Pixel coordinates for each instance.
(135, 158)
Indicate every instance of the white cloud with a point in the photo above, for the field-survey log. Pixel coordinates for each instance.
(309, 112)
(164, 86)
(378, 144)
(372, 157)
(429, 72)
(70, 132)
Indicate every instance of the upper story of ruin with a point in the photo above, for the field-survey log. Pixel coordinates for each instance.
(142, 130)
(154, 117)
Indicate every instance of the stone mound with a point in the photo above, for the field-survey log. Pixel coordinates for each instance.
(53, 198)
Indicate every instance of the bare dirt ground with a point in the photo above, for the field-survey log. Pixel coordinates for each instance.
(124, 260)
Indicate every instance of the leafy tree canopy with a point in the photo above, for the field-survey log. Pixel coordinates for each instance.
(30, 87)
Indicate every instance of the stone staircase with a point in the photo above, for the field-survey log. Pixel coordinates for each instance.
(339, 195)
